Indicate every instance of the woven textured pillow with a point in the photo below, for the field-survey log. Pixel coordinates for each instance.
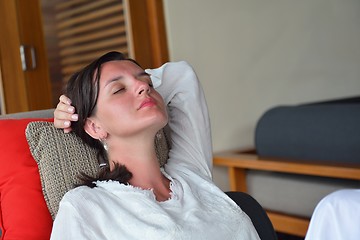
(62, 156)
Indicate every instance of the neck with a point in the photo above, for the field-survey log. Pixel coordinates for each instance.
(140, 159)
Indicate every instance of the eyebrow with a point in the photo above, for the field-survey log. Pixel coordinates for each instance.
(117, 78)
(143, 74)
(114, 80)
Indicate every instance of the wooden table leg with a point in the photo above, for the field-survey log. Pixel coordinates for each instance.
(237, 178)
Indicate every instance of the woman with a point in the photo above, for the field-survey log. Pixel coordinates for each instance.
(119, 112)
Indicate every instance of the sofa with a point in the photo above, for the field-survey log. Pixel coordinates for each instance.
(302, 153)
(40, 163)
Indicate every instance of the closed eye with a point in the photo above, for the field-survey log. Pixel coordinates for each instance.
(119, 90)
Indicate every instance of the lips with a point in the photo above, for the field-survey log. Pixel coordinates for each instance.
(148, 102)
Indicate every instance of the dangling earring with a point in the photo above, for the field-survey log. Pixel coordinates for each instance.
(106, 148)
(104, 143)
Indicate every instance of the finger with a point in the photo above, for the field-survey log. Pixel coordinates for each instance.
(63, 107)
(62, 123)
(65, 99)
(63, 114)
(67, 130)
(62, 118)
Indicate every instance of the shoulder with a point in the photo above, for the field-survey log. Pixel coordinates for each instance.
(83, 198)
(88, 193)
(81, 192)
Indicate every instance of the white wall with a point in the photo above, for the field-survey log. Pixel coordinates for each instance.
(251, 55)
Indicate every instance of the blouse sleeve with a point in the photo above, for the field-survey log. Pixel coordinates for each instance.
(188, 115)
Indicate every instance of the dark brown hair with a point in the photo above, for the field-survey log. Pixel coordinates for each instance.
(83, 90)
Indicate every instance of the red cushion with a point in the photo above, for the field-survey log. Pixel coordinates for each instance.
(24, 213)
(1, 226)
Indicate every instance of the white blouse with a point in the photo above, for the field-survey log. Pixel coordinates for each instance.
(197, 209)
(336, 217)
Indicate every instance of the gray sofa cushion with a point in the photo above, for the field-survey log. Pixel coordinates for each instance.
(322, 131)
(47, 113)
(327, 131)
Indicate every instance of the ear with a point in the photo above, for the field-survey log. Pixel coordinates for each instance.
(94, 129)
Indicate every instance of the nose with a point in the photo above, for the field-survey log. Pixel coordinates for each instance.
(143, 88)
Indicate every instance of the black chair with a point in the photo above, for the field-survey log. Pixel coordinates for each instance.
(256, 213)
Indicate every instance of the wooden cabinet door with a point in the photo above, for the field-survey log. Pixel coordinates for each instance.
(25, 78)
(21, 26)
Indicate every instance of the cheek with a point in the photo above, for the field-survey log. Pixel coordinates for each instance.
(117, 121)
(114, 112)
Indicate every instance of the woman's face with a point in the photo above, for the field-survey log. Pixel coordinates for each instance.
(127, 104)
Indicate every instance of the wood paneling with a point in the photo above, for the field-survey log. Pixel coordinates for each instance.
(37, 80)
(13, 78)
(145, 39)
(88, 29)
(23, 90)
(148, 32)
